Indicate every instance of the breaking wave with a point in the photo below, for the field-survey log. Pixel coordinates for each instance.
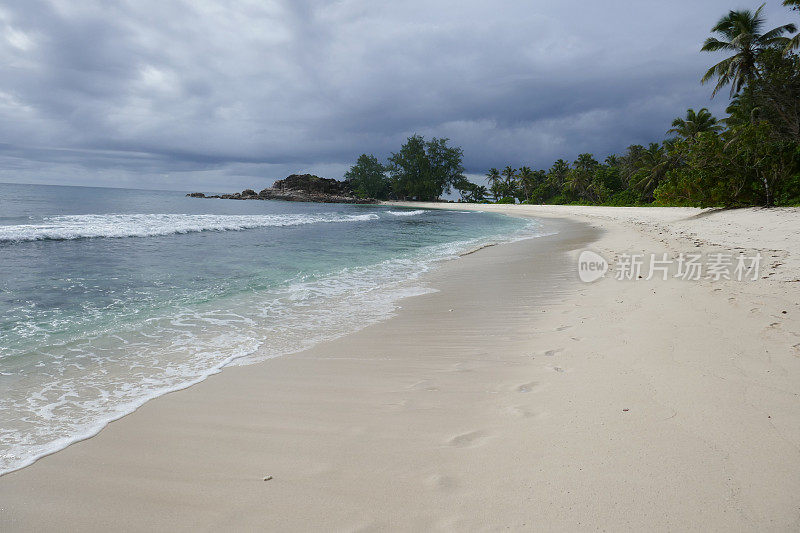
(70, 227)
(407, 213)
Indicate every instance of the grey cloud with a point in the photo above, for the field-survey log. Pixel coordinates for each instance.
(218, 95)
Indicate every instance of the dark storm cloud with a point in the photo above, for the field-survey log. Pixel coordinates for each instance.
(216, 95)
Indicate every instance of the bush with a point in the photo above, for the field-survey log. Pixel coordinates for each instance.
(789, 194)
(623, 198)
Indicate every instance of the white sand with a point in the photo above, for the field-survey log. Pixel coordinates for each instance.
(498, 402)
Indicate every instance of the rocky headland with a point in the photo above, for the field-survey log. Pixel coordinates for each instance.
(298, 188)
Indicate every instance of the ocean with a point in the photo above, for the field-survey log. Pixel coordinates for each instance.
(111, 297)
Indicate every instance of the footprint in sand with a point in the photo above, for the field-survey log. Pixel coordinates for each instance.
(562, 328)
(551, 353)
(441, 482)
(527, 387)
(521, 411)
(468, 440)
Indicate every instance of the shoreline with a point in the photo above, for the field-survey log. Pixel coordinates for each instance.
(392, 292)
(496, 401)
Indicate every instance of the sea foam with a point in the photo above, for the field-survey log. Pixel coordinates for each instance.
(69, 227)
(411, 213)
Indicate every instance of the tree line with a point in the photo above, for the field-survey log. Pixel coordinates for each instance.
(749, 157)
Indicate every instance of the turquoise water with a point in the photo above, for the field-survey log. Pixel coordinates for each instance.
(109, 297)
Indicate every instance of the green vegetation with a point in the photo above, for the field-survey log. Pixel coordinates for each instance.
(367, 178)
(751, 157)
(421, 170)
(424, 170)
(794, 42)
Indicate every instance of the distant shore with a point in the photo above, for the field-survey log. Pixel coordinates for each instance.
(515, 396)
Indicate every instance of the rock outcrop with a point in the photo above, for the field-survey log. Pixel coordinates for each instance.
(312, 184)
(298, 188)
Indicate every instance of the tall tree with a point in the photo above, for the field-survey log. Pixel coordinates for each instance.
(446, 163)
(558, 174)
(424, 170)
(527, 182)
(606, 181)
(471, 192)
(495, 181)
(740, 33)
(629, 162)
(774, 97)
(769, 160)
(651, 169)
(581, 176)
(509, 181)
(694, 124)
(367, 178)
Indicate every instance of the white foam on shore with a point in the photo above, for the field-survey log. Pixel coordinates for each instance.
(410, 213)
(103, 381)
(69, 227)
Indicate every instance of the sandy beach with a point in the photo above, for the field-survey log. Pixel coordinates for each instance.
(513, 397)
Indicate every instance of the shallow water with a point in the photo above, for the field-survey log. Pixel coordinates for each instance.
(109, 297)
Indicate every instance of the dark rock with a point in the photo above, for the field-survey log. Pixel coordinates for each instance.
(312, 184)
(300, 188)
(196, 195)
(303, 196)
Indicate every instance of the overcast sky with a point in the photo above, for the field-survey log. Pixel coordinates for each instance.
(216, 96)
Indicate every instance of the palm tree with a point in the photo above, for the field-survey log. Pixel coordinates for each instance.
(581, 175)
(509, 184)
(740, 33)
(557, 175)
(694, 124)
(526, 178)
(509, 173)
(794, 42)
(612, 160)
(651, 169)
(737, 114)
(480, 194)
(494, 179)
(493, 176)
(629, 161)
